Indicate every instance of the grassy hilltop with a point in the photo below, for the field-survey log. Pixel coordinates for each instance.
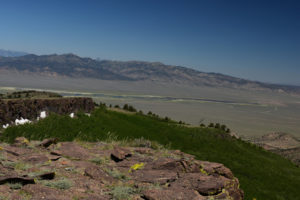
(29, 94)
(262, 175)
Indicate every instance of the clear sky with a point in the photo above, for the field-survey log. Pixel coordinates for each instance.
(255, 39)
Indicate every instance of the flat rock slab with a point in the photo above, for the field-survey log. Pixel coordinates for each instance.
(74, 151)
(35, 159)
(216, 168)
(97, 197)
(39, 192)
(143, 150)
(17, 151)
(6, 170)
(205, 185)
(165, 164)
(98, 174)
(154, 176)
(175, 194)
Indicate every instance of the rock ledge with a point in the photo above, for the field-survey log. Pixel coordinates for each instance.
(81, 170)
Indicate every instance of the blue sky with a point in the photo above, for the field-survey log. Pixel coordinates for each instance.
(257, 40)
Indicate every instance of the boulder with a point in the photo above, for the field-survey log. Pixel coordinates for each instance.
(120, 154)
(47, 142)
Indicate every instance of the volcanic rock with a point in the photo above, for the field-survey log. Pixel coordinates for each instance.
(95, 171)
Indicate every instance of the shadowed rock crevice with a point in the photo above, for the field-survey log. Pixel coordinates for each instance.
(15, 179)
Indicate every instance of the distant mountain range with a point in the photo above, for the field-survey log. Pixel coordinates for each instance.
(7, 53)
(71, 65)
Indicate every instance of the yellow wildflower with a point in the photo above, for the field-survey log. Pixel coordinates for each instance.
(25, 141)
(136, 166)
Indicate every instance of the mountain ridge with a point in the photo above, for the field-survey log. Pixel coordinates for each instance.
(72, 65)
(8, 53)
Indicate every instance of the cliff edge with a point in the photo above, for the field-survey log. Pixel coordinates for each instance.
(12, 109)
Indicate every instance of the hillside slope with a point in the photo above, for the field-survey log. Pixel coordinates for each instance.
(70, 65)
(262, 174)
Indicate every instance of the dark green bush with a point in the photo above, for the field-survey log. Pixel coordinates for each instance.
(211, 125)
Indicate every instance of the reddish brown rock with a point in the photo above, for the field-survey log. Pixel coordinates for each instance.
(142, 150)
(17, 151)
(96, 197)
(167, 164)
(37, 158)
(97, 173)
(92, 174)
(216, 168)
(47, 142)
(7, 170)
(39, 192)
(155, 176)
(74, 151)
(135, 159)
(178, 165)
(174, 194)
(205, 185)
(217, 186)
(120, 154)
(21, 141)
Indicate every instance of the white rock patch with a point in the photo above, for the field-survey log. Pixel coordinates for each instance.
(43, 115)
(22, 121)
(5, 126)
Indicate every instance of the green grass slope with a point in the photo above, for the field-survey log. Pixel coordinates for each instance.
(263, 175)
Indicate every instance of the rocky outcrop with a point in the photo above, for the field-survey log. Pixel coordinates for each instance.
(31, 108)
(29, 94)
(283, 144)
(84, 170)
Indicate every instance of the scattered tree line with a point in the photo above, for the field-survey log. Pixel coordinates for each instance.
(222, 127)
(130, 108)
